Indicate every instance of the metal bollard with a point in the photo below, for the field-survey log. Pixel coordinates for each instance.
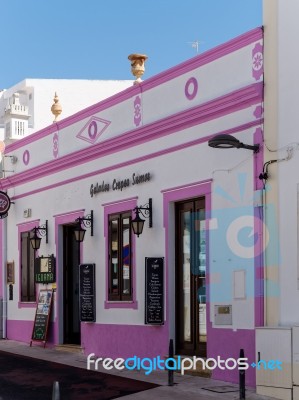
(242, 379)
(170, 371)
(56, 391)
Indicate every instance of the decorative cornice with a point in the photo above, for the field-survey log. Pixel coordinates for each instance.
(213, 109)
(235, 130)
(204, 58)
(180, 69)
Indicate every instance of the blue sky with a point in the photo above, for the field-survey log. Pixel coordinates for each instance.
(92, 39)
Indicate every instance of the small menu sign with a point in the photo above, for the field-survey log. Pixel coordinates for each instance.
(45, 269)
(87, 292)
(42, 316)
(154, 291)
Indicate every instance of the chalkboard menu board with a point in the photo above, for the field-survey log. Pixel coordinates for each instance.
(42, 316)
(154, 291)
(87, 292)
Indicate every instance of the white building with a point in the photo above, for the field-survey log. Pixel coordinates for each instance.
(146, 145)
(280, 340)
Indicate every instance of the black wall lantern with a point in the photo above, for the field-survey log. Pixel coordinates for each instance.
(147, 212)
(228, 142)
(87, 222)
(36, 239)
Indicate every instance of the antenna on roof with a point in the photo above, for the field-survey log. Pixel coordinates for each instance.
(195, 45)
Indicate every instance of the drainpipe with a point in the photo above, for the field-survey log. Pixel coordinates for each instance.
(4, 288)
(265, 253)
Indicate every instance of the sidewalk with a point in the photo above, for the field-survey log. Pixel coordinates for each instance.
(186, 387)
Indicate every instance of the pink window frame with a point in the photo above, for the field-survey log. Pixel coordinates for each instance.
(113, 208)
(25, 227)
(60, 220)
(179, 193)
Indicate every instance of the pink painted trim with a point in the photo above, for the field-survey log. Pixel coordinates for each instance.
(112, 208)
(111, 203)
(224, 105)
(121, 304)
(74, 213)
(195, 142)
(66, 218)
(184, 192)
(27, 304)
(187, 66)
(25, 227)
(118, 340)
(62, 219)
(186, 186)
(21, 331)
(204, 58)
(227, 343)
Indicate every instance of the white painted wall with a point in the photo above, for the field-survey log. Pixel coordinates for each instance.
(283, 29)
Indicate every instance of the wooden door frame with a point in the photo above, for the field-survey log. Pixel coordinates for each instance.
(66, 277)
(195, 347)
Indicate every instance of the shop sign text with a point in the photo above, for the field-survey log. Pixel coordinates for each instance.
(119, 184)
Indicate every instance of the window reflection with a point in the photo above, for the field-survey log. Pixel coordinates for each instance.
(120, 257)
(126, 255)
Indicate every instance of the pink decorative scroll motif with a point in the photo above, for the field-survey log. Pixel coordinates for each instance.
(257, 61)
(258, 112)
(55, 145)
(137, 111)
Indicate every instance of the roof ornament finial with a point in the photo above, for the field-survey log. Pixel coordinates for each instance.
(56, 107)
(137, 64)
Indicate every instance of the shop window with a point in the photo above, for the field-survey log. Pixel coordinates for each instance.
(120, 261)
(27, 269)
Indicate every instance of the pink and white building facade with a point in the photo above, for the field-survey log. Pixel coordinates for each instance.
(149, 141)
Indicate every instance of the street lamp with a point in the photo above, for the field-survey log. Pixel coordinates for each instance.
(87, 222)
(137, 223)
(35, 240)
(228, 141)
